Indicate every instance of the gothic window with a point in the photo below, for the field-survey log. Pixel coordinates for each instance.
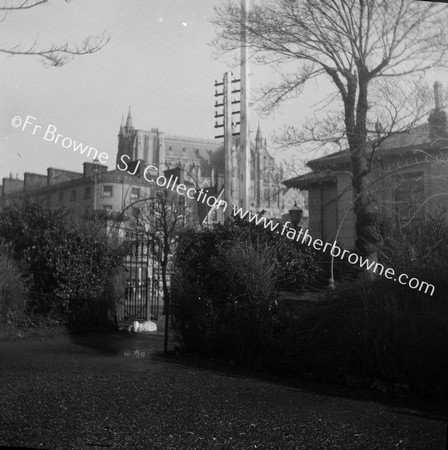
(87, 193)
(409, 197)
(266, 195)
(73, 196)
(60, 196)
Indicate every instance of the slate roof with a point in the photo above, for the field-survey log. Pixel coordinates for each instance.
(400, 142)
(395, 144)
(308, 179)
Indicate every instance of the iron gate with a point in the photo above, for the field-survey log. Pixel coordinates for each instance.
(143, 286)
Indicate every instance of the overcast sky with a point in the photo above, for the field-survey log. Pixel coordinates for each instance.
(158, 61)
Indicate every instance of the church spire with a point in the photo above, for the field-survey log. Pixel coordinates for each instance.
(121, 126)
(259, 138)
(258, 132)
(129, 120)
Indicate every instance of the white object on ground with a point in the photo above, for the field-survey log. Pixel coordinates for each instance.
(144, 327)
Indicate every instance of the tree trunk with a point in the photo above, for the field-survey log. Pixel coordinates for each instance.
(166, 306)
(367, 231)
(165, 289)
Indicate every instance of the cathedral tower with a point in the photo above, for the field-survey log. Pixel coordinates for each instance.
(126, 139)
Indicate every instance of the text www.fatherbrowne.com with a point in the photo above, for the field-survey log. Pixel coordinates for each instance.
(303, 237)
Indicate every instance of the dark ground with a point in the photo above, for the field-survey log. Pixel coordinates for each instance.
(99, 391)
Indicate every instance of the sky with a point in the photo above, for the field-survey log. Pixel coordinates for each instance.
(159, 62)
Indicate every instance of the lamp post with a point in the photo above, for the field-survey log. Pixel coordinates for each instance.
(295, 215)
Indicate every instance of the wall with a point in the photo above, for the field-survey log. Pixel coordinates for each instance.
(59, 175)
(314, 205)
(34, 181)
(11, 186)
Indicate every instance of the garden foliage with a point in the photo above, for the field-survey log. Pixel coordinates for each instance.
(226, 284)
(68, 261)
(226, 303)
(13, 287)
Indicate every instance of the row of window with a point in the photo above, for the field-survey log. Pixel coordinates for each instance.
(107, 191)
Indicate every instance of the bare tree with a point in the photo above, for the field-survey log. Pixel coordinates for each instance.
(367, 49)
(57, 54)
(163, 216)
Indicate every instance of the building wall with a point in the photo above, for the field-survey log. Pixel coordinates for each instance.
(329, 204)
(385, 180)
(59, 175)
(329, 211)
(111, 191)
(438, 187)
(34, 181)
(12, 186)
(314, 207)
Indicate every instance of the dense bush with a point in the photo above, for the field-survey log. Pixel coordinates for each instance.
(236, 322)
(12, 286)
(298, 266)
(368, 328)
(226, 284)
(365, 331)
(380, 328)
(250, 273)
(420, 251)
(69, 261)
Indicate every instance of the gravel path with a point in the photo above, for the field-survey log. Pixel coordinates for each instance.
(74, 394)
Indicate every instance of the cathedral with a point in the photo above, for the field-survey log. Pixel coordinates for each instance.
(96, 190)
(203, 164)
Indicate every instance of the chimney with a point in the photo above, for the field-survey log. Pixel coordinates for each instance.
(438, 121)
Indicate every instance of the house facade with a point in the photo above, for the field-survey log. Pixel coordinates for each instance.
(408, 179)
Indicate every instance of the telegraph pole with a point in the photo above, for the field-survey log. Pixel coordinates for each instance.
(228, 125)
(228, 181)
(244, 193)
